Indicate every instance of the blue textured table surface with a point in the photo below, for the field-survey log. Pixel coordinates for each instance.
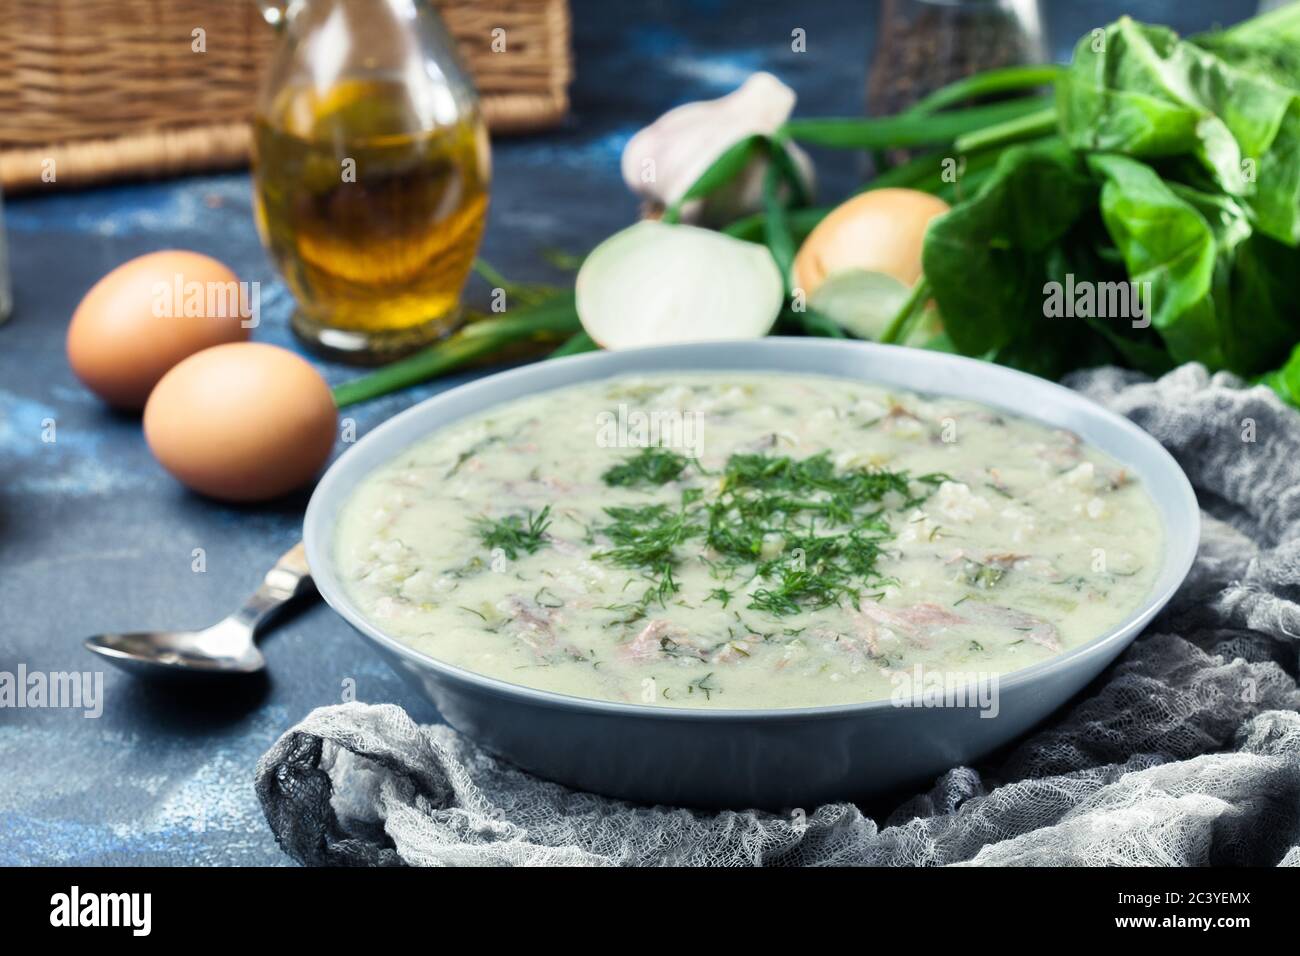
(94, 536)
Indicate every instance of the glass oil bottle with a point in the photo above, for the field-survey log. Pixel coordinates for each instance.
(371, 171)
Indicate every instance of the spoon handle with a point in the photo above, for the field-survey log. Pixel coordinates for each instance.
(289, 578)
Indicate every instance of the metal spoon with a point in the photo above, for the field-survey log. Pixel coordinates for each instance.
(224, 648)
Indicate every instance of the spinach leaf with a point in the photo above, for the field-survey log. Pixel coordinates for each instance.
(1088, 252)
(1262, 317)
(1167, 247)
(1270, 162)
(1254, 303)
(1286, 380)
(1129, 89)
(986, 258)
(1142, 91)
(1217, 289)
(1175, 169)
(1273, 56)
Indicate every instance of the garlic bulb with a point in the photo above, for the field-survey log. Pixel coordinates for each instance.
(662, 161)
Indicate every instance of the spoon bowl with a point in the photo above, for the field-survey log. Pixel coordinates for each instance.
(226, 648)
(184, 652)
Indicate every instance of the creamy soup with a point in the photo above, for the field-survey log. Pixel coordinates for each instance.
(746, 540)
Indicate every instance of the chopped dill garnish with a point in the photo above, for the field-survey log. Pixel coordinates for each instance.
(933, 480)
(649, 466)
(545, 597)
(811, 534)
(471, 451)
(514, 533)
(704, 685)
(473, 566)
(831, 569)
(646, 539)
(721, 594)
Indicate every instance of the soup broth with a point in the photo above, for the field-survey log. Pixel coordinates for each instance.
(754, 540)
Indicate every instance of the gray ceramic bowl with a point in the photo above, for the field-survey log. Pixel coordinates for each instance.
(757, 758)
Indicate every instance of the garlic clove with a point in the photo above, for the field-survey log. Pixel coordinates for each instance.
(662, 161)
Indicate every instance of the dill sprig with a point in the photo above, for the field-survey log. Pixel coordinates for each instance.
(831, 570)
(811, 534)
(721, 594)
(646, 539)
(514, 533)
(650, 466)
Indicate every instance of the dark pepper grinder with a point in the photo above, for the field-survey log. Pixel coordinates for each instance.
(922, 45)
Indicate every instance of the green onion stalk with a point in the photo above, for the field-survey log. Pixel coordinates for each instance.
(552, 319)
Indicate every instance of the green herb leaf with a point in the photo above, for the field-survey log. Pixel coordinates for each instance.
(550, 319)
(905, 130)
(649, 466)
(812, 534)
(515, 533)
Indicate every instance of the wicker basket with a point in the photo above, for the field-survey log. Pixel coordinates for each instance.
(110, 89)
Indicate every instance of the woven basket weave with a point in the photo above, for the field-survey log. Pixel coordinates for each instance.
(111, 89)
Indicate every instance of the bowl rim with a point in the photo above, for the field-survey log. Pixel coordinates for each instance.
(351, 466)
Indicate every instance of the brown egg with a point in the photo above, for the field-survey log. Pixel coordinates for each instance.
(880, 230)
(242, 422)
(148, 314)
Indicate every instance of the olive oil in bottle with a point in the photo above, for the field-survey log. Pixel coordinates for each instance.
(375, 232)
(370, 172)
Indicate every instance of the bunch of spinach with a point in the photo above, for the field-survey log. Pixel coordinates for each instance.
(1175, 163)
(1162, 168)
(1188, 156)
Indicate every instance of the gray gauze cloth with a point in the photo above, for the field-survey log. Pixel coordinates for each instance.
(1186, 752)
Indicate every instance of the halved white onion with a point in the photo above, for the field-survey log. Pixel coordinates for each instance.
(658, 284)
